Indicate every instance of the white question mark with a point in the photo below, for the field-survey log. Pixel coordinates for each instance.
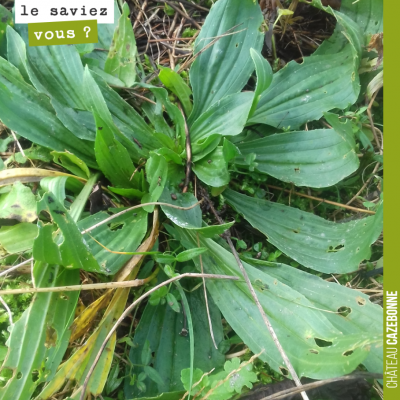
(87, 30)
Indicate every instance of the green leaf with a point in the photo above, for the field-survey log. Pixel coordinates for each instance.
(113, 381)
(174, 82)
(146, 353)
(5, 20)
(159, 294)
(61, 81)
(125, 235)
(51, 75)
(205, 146)
(317, 158)
(127, 120)
(71, 163)
(160, 325)
(310, 240)
(112, 156)
(106, 31)
(121, 60)
(173, 303)
(184, 218)
(190, 254)
(155, 113)
(19, 204)
(56, 186)
(197, 377)
(213, 169)
(156, 175)
(264, 77)
(128, 193)
(16, 52)
(153, 375)
(328, 79)
(354, 311)
(36, 122)
(71, 250)
(227, 117)
(224, 67)
(47, 320)
(368, 16)
(212, 230)
(95, 102)
(164, 396)
(230, 150)
(81, 199)
(18, 238)
(164, 258)
(243, 377)
(294, 317)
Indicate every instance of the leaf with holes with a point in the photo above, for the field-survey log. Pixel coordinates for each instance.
(294, 317)
(310, 240)
(352, 310)
(121, 60)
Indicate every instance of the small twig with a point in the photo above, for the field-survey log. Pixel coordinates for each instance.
(75, 288)
(141, 12)
(18, 144)
(190, 4)
(137, 169)
(16, 267)
(131, 90)
(131, 307)
(365, 184)
(178, 10)
(289, 392)
(334, 203)
(188, 153)
(237, 354)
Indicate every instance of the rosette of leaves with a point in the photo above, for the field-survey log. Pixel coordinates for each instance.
(70, 107)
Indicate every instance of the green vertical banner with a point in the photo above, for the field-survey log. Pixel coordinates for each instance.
(62, 32)
(392, 210)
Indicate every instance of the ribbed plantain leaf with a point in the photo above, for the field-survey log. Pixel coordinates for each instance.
(311, 240)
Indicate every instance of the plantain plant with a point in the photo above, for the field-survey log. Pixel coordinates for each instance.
(175, 152)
